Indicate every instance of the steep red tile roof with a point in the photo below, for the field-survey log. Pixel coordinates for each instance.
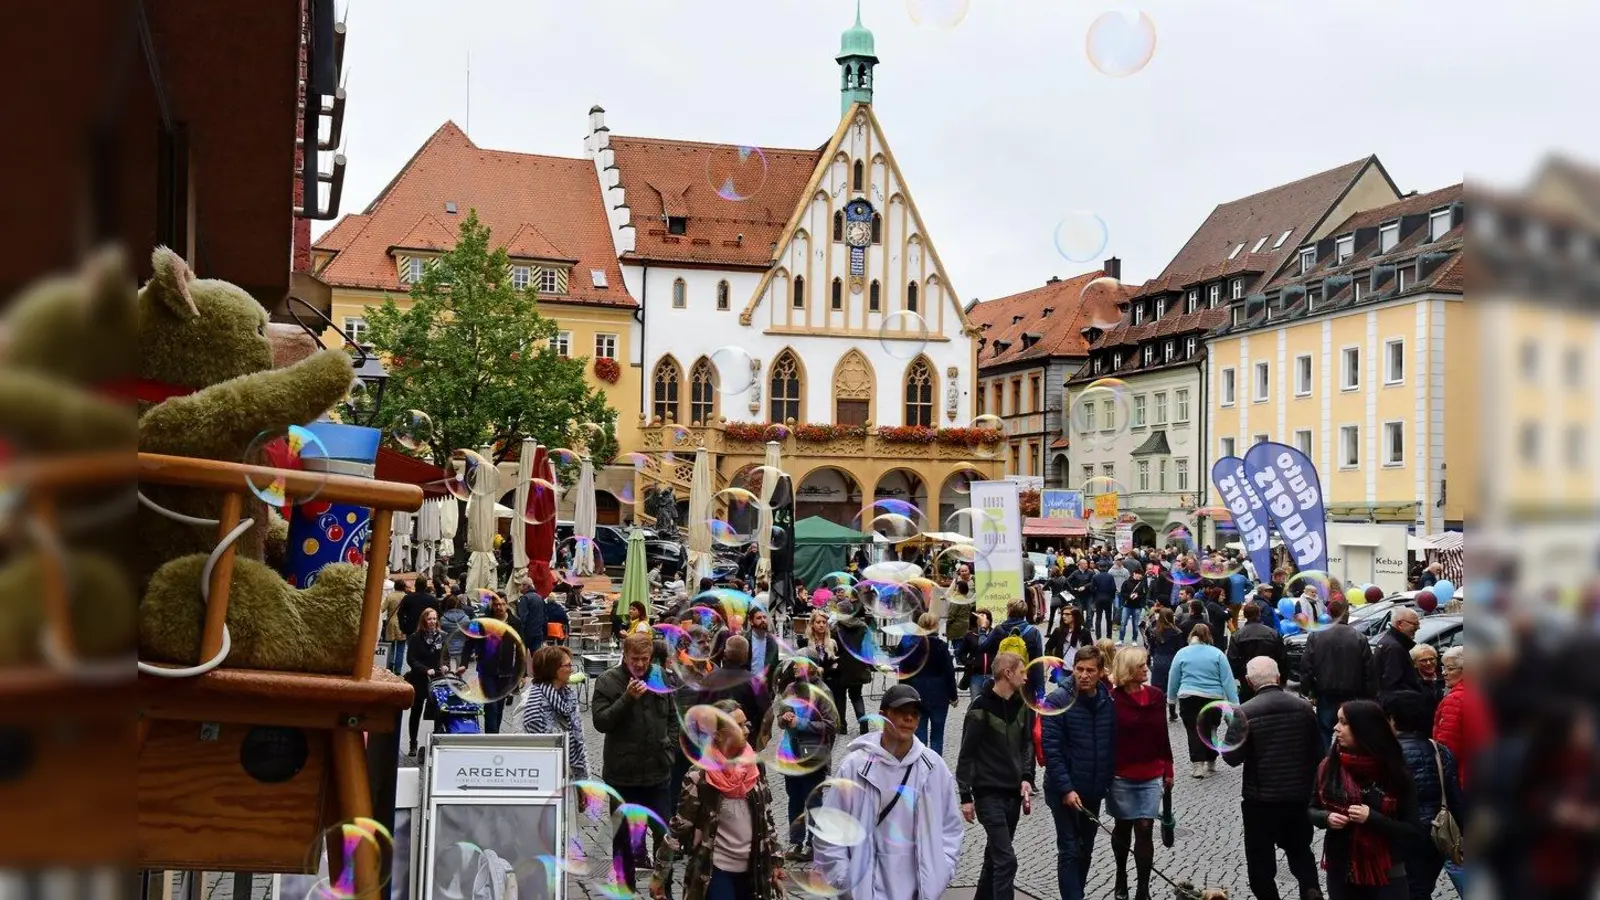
(427, 234)
(524, 198)
(342, 233)
(674, 178)
(1060, 332)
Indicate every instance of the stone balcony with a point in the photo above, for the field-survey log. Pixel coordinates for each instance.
(735, 442)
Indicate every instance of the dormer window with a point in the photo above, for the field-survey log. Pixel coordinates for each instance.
(1236, 250)
(1116, 360)
(1168, 351)
(1308, 259)
(677, 225)
(1213, 294)
(1045, 313)
(1438, 224)
(1095, 364)
(412, 273)
(1403, 278)
(521, 277)
(1238, 288)
(1388, 237)
(1149, 355)
(1138, 314)
(1344, 248)
(1192, 300)
(551, 281)
(1189, 345)
(1535, 237)
(1161, 308)
(1313, 293)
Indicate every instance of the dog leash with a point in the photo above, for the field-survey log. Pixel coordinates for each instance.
(1184, 890)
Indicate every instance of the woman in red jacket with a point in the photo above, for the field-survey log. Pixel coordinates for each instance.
(1462, 721)
(1143, 767)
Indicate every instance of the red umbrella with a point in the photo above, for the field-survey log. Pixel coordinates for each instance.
(541, 530)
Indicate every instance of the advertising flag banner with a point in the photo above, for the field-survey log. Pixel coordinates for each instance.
(1057, 504)
(1249, 513)
(997, 546)
(1287, 483)
(1105, 508)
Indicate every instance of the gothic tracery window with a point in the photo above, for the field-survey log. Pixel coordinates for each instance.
(919, 393)
(783, 388)
(702, 392)
(664, 396)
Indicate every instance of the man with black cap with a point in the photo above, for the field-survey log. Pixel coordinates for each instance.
(908, 798)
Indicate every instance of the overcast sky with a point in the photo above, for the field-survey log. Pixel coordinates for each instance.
(1001, 125)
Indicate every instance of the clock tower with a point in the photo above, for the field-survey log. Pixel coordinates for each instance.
(856, 63)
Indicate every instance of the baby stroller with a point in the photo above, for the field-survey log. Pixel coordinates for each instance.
(454, 714)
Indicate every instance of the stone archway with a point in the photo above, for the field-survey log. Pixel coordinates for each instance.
(954, 494)
(829, 492)
(1145, 536)
(907, 485)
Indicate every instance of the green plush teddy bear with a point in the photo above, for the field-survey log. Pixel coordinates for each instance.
(209, 390)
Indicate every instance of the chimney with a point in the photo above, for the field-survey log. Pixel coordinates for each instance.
(1113, 268)
(1054, 279)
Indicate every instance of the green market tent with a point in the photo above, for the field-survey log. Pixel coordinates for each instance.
(822, 547)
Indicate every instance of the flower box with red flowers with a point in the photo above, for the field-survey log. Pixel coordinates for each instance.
(607, 370)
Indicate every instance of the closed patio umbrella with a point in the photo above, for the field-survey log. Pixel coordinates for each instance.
(700, 518)
(519, 524)
(428, 534)
(584, 515)
(769, 487)
(483, 486)
(541, 532)
(635, 578)
(400, 543)
(449, 524)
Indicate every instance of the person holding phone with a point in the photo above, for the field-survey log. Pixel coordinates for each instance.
(641, 736)
(1366, 800)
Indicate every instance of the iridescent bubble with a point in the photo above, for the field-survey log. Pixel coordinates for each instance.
(736, 172)
(1100, 410)
(540, 506)
(779, 432)
(828, 818)
(413, 429)
(874, 722)
(1120, 42)
(1217, 567)
(1318, 584)
(1049, 689)
(1081, 236)
(984, 526)
(635, 822)
(1100, 301)
(705, 732)
(502, 661)
(892, 571)
(885, 647)
(656, 681)
(897, 520)
(734, 370)
(287, 448)
(358, 843)
(800, 714)
(731, 606)
(471, 475)
(1222, 726)
(574, 549)
(561, 456)
(741, 517)
(994, 427)
(904, 334)
(640, 463)
(456, 870)
(938, 14)
(960, 481)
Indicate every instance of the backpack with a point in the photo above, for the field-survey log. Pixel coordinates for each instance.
(1015, 642)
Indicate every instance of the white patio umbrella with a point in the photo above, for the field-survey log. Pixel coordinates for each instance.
(584, 515)
(400, 542)
(449, 524)
(700, 517)
(483, 486)
(428, 535)
(769, 486)
(519, 524)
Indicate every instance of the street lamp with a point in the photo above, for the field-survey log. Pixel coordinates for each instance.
(366, 392)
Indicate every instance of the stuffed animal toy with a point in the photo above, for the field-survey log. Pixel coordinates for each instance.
(208, 389)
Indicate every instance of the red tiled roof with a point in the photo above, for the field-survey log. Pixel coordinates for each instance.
(1060, 333)
(427, 234)
(1405, 206)
(342, 233)
(546, 207)
(674, 178)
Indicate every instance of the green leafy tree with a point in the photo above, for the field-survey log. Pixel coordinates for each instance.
(472, 353)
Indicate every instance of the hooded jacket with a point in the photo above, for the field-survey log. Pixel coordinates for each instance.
(1080, 745)
(918, 867)
(996, 745)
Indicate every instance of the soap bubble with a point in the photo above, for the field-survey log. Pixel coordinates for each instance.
(1319, 583)
(989, 449)
(734, 370)
(827, 818)
(1040, 691)
(960, 481)
(1119, 43)
(639, 462)
(360, 843)
(540, 506)
(705, 731)
(736, 172)
(741, 518)
(498, 649)
(1081, 236)
(471, 475)
(793, 750)
(289, 449)
(413, 429)
(1099, 301)
(1100, 412)
(904, 335)
(1221, 726)
(778, 431)
(938, 14)
(561, 457)
(896, 520)
(984, 526)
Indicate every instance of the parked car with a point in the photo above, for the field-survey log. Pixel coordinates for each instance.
(611, 544)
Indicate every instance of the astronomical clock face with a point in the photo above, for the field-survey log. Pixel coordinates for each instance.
(858, 234)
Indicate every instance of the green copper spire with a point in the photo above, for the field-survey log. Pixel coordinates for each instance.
(856, 61)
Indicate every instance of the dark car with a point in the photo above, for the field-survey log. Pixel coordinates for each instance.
(1370, 619)
(1439, 631)
(611, 545)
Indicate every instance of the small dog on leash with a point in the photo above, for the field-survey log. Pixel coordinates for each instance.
(1187, 891)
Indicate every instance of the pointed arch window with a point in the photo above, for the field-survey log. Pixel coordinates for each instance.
(680, 294)
(799, 292)
(875, 297)
(664, 395)
(919, 393)
(877, 228)
(858, 180)
(722, 295)
(702, 392)
(911, 296)
(837, 298)
(838, 225)
(783, 389)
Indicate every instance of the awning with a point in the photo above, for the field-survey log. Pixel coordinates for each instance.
(1154, 445)
(1449, 540)
(395, 466)
(1054, 527)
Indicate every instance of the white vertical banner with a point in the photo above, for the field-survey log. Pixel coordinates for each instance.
(997, 542)
(1124, 537)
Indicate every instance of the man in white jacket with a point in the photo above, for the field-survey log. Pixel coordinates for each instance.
(909, 802)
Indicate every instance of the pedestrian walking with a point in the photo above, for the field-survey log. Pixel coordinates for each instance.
(425, 659)
(1142, 768)
(1365, 799)
(807, 726)
(1103, 588)
(417, 599)
(550, 706)
(1028, 643)
(1068, 634)
(1164, 640)
(1337, 667)
(977, 663)
(995, 770)
(530, 612)
(1463, 722)
(501, 662)
(1391, 656)
(1438, 784)
(1133, 594)
(1200, 675)
(641, 733)
(1281, 750)
(932, 671)
(1252, 640)
(890, 764)
(1079, 746)
(395, 638)
(851, 635)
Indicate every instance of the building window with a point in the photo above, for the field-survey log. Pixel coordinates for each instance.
(1033, 394)
(1350, 369)
(521, 277)
(1138, 411)
(550, 282)
(1308, 259)
(1087, 415)
(1281, 238)
(1108, 470)
(1236, 250)
(851, 412)
(1138, 314)
(877, 228)
(1394, 446)
(1108, 417)
(1263, 382)
(1302, 441)
(1228, 387)
(836, 298)
(1403, 278)
(664, 391)
(1344, 248)
(1142, 475)
(562, 344)
(859, 179)
(838, 225)
(1575, 448)
(1192, 300)
(413, 270)
(1161, 407)
(1088, 473)
(1349, 446)
(1530, 360)
(702, 392)
(1238, 288)
(605, 346)
(355, 328)
(1116, 360)
(1190, 344)
(1149, 355)
(979, 401)
(1161, 308)
(1530, 443)
(722, 295)
(1262, 438)
(1168, 351)
(1181, 470)
(677, 225)
(1161, 475)
(1183, 406)
(799, 292)
(1574, 368)
(784, 388)
(1438, 224)
(999, 405)
(1394, 361)
(911, 296)
(919, 393)
(875, 297)
(1213, 294)
(1226, 446)
(680, 294)
(1302, 375)
(1358, 287)
(1016, 396)
(1388, 237)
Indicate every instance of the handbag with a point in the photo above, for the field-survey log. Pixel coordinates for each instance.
(1444, 830)
(1169, 824)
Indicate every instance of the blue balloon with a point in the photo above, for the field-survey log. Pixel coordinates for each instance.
(1287, 608)
(1444, 590)
(1324, 619)
(1288, 627)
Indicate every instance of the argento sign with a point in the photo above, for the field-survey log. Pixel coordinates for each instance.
(462, 770)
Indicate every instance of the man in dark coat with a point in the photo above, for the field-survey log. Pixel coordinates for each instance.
(1337, 667)
(1078, 581)
(1252, 640)
(530, 612)
(1280, 752)
(994, 772)
(419, 598)
(1391, 658)
(1079, 762)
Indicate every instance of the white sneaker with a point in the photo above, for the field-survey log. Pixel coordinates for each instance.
(1211, 767)
(1198, 770)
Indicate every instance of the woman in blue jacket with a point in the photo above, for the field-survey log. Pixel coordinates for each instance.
(930, 669)
(1200, 675)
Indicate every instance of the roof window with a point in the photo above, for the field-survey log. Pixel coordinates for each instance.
(598, 277)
